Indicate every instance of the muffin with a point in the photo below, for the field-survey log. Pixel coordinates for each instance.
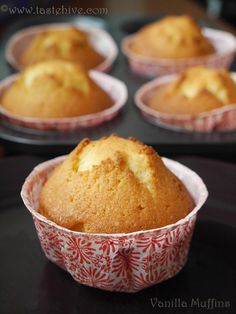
(173, 37)
(69, 44)
(197, 90)
(124, 262)
(113, 185)
(55, 89)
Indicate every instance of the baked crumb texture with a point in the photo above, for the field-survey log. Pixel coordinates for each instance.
(173, 37)
(197, 90)
(55, 89)
(114, 185)
(69, 44)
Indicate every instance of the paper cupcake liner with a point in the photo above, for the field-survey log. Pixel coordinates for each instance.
(100, 40)
(114, 87)
(116, 262)
(222, 119)
(224, 43)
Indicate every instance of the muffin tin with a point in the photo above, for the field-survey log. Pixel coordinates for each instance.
(42, 287)
(129, 123)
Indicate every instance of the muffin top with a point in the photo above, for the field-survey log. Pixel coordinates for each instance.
(197, 90)
(65, 73)
(55, 89)
(114, 185)
(173, 37)
(70, 44)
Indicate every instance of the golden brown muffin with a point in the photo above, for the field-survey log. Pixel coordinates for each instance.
(55, 89)
(173, 37)
(197, 90)
(69, 44)
(114, 185)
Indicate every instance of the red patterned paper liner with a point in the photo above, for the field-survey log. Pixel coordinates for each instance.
(99, 39)
(224, 43)
(222, 119)
(114, 87)
(116, 262)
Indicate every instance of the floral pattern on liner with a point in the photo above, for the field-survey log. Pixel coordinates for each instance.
(224, 43)
(116, 262)
(222, 119)
(114, 87)
(99, 39)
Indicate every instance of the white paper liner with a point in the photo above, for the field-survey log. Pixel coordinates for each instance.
(125, 262)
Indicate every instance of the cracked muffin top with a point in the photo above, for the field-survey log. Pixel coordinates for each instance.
(114, 185)
(173, 37)
(195, 91)
(69, 44)
(55, 89)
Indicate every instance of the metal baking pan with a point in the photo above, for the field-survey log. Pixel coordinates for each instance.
(128, 123)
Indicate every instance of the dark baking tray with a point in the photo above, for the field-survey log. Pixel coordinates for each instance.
(29, 283)
(128, 123)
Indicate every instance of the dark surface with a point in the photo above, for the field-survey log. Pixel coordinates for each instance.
(31, 284)
(129, 123)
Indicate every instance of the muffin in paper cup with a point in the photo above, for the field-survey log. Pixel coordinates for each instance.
(223, 42)
(126, 262)
(114, 87)
(220, 119)
(99, 39)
